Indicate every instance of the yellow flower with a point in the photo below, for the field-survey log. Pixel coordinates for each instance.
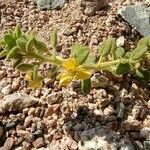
(73, 70)
(33, 84)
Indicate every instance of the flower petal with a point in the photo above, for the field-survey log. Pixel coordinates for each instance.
(65, 79)
(70, 64)
(82, 73)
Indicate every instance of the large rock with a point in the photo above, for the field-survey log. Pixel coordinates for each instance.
(16, 102)
(50, 4)
(103, 139)
(138, 16)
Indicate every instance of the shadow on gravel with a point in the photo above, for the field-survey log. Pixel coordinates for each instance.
(86, 120)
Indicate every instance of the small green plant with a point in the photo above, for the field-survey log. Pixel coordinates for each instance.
(29, 53)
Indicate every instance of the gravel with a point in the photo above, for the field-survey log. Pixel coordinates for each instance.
(57, 117)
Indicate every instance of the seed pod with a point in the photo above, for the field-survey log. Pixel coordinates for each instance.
(86, 86)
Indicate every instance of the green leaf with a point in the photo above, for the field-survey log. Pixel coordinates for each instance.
(9, 40)
(25, 67)
(13, 53)
(38, 56)
(74, 49)
(35, 72)
(40, 46)
(17, 33)
(109, 45)
(53, 72)
(113, 46)
(90, 59)
(86, 86)
(143, 42)
(21, 43)
(80, 53)
(3, 53)
(30, 45)
(119, 53)
(53, 38)
(122, 68)
(17, 62)
(138, 52)
(143, 74)
(82, 57)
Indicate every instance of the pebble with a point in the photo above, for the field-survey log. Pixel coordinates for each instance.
(38, 143)
(8, 144)
(2, 74)
(132, 124)
(7, 90)
(145, 132)
(120, 41)
(109, 111)
(10, 126)
(38, 133)
(31, 111)
(79, 127)
(28, 120)
(24, 134)
(16, 101)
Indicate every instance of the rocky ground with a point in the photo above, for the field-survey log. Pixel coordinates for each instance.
(60, 118)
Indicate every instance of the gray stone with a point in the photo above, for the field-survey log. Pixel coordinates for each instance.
(103, 138)
(138, 16)
(16, 102)
(145, 132)
(50, 4)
